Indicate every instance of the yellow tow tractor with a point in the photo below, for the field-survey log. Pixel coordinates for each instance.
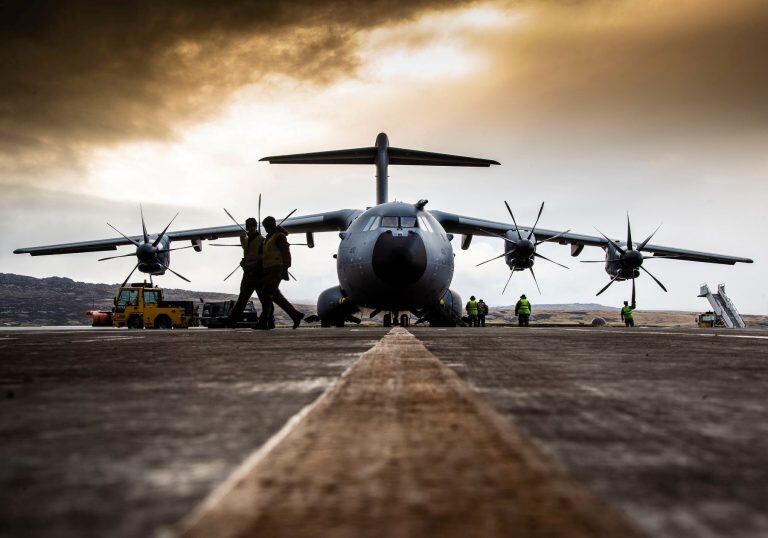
(139, 306)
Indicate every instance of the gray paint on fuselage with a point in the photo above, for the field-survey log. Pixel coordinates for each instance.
(358, 253)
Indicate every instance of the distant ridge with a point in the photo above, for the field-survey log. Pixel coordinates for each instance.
(30, 301)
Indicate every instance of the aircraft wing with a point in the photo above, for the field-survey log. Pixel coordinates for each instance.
(319, 222)
(459, 224)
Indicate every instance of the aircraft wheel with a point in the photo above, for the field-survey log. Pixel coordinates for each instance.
(163, 322)
(339, 323)
(387, 320)
(324, 323)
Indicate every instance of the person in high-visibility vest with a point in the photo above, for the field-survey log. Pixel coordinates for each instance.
(251, 241)
(523, 311)
(276, 258)
(472, 311)
(627, 315)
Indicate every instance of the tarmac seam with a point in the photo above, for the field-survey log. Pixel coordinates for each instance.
(400, 445)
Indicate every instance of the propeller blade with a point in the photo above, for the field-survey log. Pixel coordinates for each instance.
(600, 261)
(175, 273)
(534, 279)
(513, 220)
(530, 234)
(135, 243)
(494, 234)
(552, 238)
(494, 258)
(286, 217)
(634, 303)
(113, 257)
(537, 255)
(159, 237)
(225, 245)
(232, 273)
(258, 215)
(661, 257)
(143, 225)
(612, 242)
(607, 285)
(129, 276)
(178, 248)
(641, 246)
(512, 272)
(629, 234)
(233, 218)
(654, 278)
(291, 275)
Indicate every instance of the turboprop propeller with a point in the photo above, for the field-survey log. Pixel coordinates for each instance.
(149, 252)
(625, 263)
(522, 252)
(244, 231)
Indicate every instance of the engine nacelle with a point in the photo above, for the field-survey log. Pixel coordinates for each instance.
(334, 308)
(447, 312)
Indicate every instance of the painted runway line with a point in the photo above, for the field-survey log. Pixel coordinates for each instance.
(401, 446)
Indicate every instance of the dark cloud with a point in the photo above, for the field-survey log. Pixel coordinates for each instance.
(81, 73)
(686, 68)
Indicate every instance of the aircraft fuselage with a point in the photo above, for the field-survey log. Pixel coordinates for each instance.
(395, 257)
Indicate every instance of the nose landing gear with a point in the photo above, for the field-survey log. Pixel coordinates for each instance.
(394, 318)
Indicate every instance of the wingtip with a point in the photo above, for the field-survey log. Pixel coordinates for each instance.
(266, 159)
(496, 163)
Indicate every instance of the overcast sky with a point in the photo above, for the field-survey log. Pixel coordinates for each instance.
(596, 107)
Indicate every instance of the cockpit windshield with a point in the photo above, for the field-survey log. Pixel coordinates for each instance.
(398, 222)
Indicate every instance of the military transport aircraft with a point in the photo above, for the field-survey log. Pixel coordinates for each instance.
(397, 257)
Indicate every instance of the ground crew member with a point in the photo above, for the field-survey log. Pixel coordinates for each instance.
(523, 311)
(252, 242)
(482, 311)
(472, 311)
(276, 260)
(627, 315)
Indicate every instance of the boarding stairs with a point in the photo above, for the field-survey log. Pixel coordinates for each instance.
(723, 307)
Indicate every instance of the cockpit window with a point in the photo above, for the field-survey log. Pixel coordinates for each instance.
(389, 222)
(408, 222)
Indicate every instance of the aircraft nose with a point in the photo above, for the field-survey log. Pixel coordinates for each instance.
(399, 260)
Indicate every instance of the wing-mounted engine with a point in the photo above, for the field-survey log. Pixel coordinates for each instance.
(334, 309)
(152, 251)
(520, 248)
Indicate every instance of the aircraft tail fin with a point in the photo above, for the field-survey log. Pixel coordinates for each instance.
(381, 155)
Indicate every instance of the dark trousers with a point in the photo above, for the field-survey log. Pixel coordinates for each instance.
(629, 322)
(250, 283)
(270, 294)
(472, 320)
(522, 320)
(481, 320)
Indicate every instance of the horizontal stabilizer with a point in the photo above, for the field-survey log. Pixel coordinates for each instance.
(368, 156)
(427, 158)
(341, 156)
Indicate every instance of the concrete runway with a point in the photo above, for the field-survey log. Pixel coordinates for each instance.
(609, 431)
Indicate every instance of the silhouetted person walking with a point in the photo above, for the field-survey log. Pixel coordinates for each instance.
(252, 242)
(276, 261)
